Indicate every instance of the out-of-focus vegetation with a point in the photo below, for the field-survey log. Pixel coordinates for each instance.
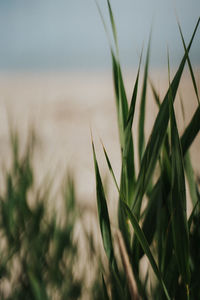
(37, 254)
(40, 257)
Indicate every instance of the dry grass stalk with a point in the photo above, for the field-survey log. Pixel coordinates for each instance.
(127, 267)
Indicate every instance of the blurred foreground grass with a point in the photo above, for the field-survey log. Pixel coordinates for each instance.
(40, 254)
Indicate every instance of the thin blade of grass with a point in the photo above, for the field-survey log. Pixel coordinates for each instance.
(104, 220)
(127, 173)
(131, 112)
(152, 150)
(127, 179)
(150, 217)
(141, 137)
(122, 218)
(191, 131)
(142, 239)
(37, 288)
(129, 166)
(128, 151)
(178, 201)
(117, 293)
(121, 99)
(112, 21)
(182, 107)
(188, 167)
(193, 212)
(190, 177)
(106, 297)
(189, 64)
(127, 267)
(155, 94)
(111, 169)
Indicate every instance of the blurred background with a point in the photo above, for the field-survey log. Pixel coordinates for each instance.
(68, 35)
(55, 72)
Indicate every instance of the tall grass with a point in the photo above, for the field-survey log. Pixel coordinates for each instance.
(152, 211)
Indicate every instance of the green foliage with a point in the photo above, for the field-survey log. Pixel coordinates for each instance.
(152, 214)
(37, 255)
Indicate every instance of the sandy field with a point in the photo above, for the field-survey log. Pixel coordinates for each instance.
(64, 107)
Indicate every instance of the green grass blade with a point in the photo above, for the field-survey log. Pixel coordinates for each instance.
(178, 202)
(131, 112)
(150, 217)
(141, 137)
(117, 292)
(119, 88)
(122, 112)
(128, 151)
(193, 213)
(142, 239)
(122, 219)
(190, 65)
(190, 177)
(191, 131)
(155, 94)
(111, 170)
(182, 107)
(128, 173)
(120, 94)
(37, 288)
(127, 266)
(127, 182)
(129, 168)
(105, 292)
(121, 99)
(104, 220)
(115, 79)
(112, 21)
(152, 150)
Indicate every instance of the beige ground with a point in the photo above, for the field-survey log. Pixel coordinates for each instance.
(63, 108)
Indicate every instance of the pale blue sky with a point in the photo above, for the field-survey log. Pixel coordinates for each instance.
(68, 34)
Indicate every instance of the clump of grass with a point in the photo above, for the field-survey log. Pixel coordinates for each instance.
(38, 255)
(162, 231)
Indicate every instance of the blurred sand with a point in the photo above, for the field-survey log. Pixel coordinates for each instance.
(64, 106)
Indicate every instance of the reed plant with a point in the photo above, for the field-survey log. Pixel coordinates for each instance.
(153, 220)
